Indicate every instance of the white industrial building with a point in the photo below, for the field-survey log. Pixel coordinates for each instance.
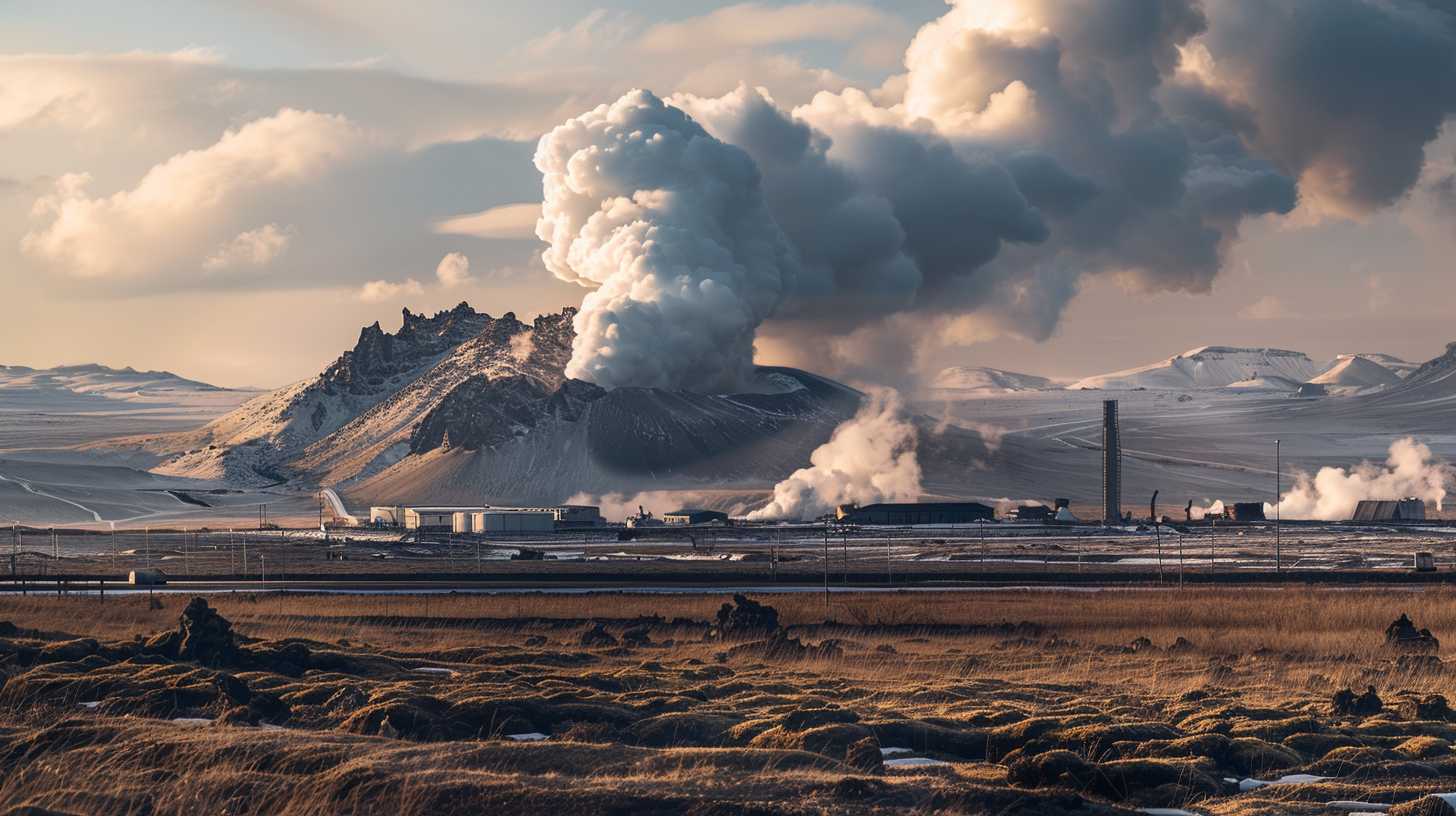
(484, 519)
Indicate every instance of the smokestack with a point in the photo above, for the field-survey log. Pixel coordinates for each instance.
(1111, 465)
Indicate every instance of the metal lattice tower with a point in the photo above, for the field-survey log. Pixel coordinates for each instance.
(1111, 465)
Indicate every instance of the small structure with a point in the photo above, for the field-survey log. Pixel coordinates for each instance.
(695, 517)
(1424, 562)
(495, 520)
(565, 515)
(434, 519)
(146, 577)
(1033, 512)
(1245, 511)
(337, 552)
(1409, 509)
(1310, 390)
(918, 513)
(386, 516)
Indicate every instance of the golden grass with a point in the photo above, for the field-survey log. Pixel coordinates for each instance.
(988, 681)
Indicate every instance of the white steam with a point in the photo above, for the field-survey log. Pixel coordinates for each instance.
(667, 226)
(869, 458)
(1411, 470)
(1215, 509)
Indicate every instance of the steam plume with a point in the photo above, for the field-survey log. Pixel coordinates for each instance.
(1332, 494)
(869, 458)
(668, 227)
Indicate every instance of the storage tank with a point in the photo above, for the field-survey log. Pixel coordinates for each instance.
(513, 521)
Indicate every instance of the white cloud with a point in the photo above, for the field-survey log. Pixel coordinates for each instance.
(183, 208)
(751, 25)
(505, 221)
(255, 248)
(453, 270)
(1268, 307)
(380, 291)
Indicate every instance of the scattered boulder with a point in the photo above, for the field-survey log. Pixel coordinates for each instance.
(234, 689)
(1346, 701)
(865, 756)
(1403, 634)
(637, 637)
(782, 647)
(1429, 707)
(536, 640)
(597, 636)
(746, 617)
(1428, 806)
(205, 636)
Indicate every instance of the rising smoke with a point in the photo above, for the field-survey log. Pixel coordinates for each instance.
(870, 458)
(1411, 470)
(1026, 145)
(668, 226)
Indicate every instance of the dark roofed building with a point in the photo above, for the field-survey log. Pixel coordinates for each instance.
(1390, 510)
(918, 513)
(1033, 512)
(694, 517)
(1246, 511)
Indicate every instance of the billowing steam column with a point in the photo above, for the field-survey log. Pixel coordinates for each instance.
(1111, 465)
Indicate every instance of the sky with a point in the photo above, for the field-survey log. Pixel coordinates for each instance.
(231, 190)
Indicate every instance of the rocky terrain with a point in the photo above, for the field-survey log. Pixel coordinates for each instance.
(462, 402)
(1018, 703)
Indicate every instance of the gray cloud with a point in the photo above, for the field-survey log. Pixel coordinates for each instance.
(1345, 93)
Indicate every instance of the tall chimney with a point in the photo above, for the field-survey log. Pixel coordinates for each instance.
(1111, 465)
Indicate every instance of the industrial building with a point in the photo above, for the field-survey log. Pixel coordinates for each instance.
(1033, 512)
(1410, 509)
(694, 517)
(484, 518)
(434, 519)
(1111, 464)
(1244, 511)
(919, 513)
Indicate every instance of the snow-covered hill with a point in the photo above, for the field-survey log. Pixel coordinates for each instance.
(463, 401)
(1356, 372)
(85, 384)
(987, 380)
(1214, 367)
(1388, 361)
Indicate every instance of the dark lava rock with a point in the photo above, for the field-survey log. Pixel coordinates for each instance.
(234, 689)
(597, 636)
(746, 617)
(1429, 707)
(205, 636)
(1403, 634)
(865, 756)
(637, 636)
(1346, 701)
(535, 640)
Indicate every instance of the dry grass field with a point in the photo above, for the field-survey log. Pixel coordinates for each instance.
(997, 702)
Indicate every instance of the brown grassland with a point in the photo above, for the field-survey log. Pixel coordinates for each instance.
(1005, 702)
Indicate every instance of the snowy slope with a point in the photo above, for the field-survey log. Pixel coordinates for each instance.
(1351, 371)
(1388, 361)
(463, 399)
(84, 385)
(987, 380)
(1214, 367)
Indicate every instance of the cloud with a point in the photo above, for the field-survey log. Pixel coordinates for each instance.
(752, 25)
(667, 226)
(1353, 130)
(506, 221)
(254, 248)
(453, 270)
(383, 291)
(189, 202)
(1268, 307)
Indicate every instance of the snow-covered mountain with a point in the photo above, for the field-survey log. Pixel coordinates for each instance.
(1356, 372)
(88, 383)
(466, 405)
(1214, 367)
(987, 380)
(1389, 361)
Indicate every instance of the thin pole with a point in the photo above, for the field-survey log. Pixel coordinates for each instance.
(826, 570)
(1278, 500)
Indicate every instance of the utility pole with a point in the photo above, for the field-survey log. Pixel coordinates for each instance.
(1278, 500)
(826, 572)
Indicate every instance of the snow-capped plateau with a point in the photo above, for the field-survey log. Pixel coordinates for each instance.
(1213, 367)
(988, 380)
